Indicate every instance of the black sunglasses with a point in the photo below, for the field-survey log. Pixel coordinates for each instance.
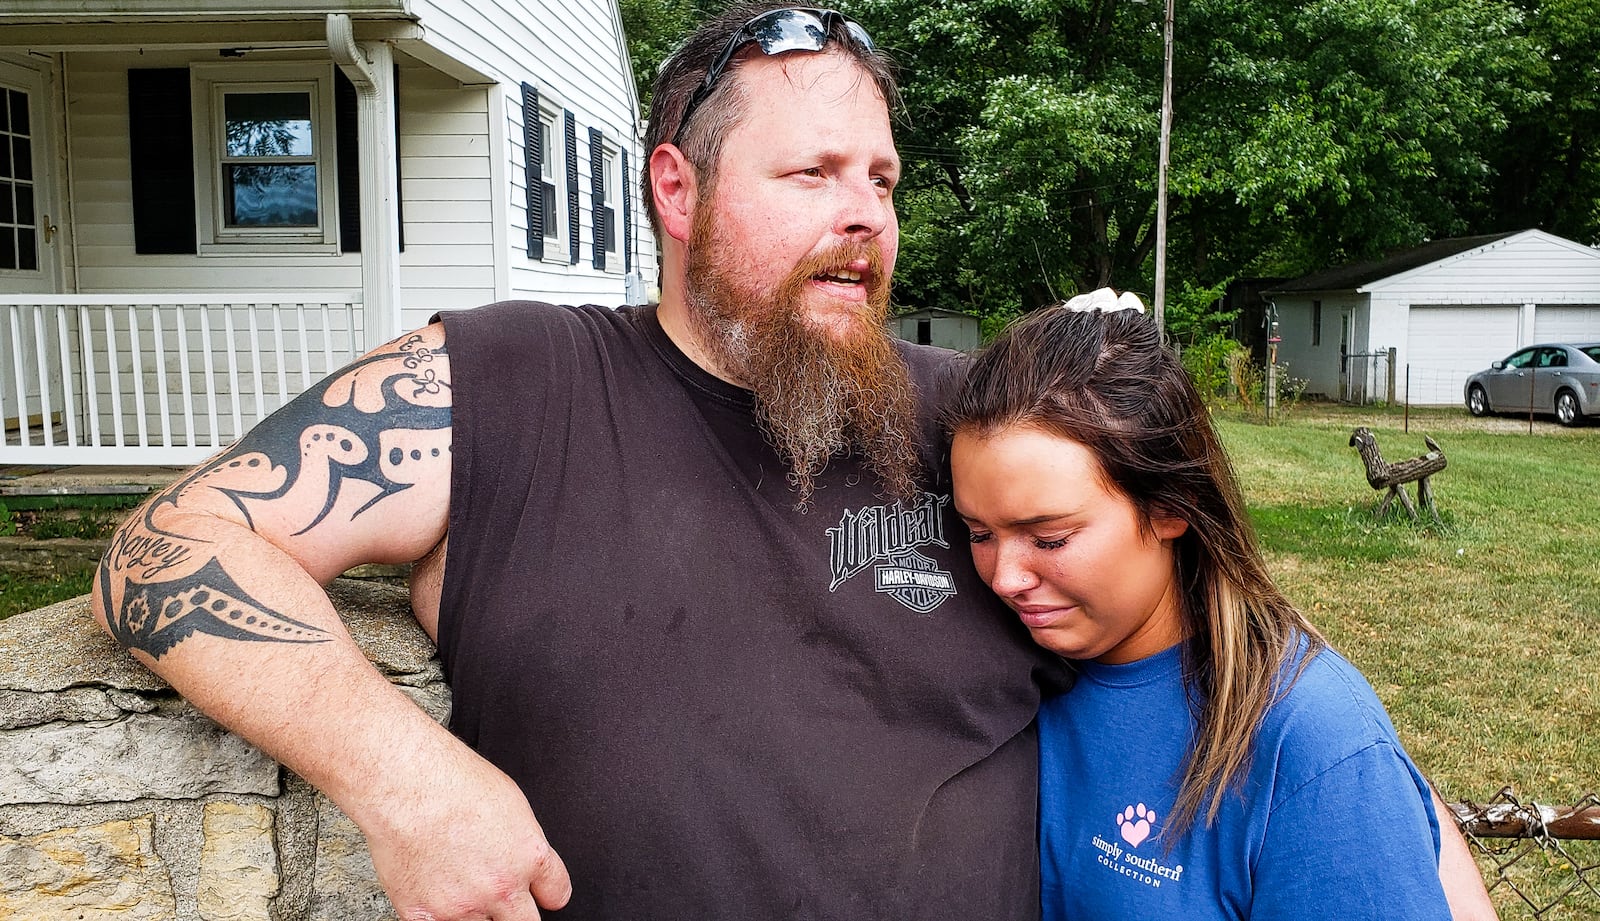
(775, 31)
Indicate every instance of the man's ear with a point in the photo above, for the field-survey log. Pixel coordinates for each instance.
(674, 184)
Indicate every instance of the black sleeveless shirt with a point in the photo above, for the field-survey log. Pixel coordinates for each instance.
(718, 706)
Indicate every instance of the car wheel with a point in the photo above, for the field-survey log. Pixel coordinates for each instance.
(1477, 401)
(1567, 408)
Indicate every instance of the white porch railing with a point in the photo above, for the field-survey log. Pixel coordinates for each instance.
(159, 378)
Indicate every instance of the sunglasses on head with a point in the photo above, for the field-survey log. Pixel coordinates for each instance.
(775, 31)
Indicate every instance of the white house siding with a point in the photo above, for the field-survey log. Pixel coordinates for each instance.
(573, 55)
(446, 191)
(1567, 324)
(1319, 363)
(97, 119)
(1531, 268)
(105, 260)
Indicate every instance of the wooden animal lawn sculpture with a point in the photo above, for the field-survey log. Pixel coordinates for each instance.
(1381, 474)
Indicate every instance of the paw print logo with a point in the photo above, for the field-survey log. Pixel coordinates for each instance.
(1134, 822)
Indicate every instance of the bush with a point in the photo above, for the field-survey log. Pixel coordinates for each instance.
(1225, 375)
(1246, 378)
(991, 324)
(1208, 362)
(1193, 313)
(1290, 388)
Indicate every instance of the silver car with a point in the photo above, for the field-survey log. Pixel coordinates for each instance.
(1550, 378)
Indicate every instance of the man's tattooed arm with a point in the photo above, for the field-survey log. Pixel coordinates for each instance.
(356, 469)
(216, 584)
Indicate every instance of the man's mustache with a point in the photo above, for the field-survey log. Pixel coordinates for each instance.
(841, 256)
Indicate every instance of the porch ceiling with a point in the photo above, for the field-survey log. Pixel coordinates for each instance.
(107, 25)
(56, 11)
(133, 34)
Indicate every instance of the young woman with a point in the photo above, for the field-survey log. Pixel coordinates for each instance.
(1215, 759)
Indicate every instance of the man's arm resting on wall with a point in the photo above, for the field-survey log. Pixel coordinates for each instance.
(216, 585)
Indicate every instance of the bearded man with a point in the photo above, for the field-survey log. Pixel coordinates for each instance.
(696, 591)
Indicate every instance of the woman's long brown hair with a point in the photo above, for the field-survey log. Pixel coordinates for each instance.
(1107, 382)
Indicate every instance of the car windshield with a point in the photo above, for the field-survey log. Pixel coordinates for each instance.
(1593, 351)
(1521, 359)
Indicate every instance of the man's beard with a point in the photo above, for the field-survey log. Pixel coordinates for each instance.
(817, 393)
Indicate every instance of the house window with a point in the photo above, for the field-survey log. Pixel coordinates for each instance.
(19, 244)
(547, 178)
(269, 166)
(265, 177)
(608, 206)
(1316, 322)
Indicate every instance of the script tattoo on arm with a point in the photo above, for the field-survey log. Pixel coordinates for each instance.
(363, 434)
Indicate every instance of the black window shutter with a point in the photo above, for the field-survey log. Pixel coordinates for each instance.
(399, 161)
(161, 160)
(346, 136)
(533, 166)
(597, 193)
(572, 185)
(627, 216)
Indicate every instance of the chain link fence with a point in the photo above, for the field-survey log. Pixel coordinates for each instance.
(1368, 377)
(1539, 861)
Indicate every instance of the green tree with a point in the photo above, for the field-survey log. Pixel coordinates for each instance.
(1304, 134)
(1546, 172)
(653, 29)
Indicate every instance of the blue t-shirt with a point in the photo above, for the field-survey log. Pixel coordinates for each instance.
(1334, 820)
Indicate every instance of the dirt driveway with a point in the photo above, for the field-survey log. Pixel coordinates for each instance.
(1434, 419)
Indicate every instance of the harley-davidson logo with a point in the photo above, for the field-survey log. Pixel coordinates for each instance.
(915, 581)
(885, 538)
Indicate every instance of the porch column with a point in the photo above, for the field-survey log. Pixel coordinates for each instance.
(370, 66)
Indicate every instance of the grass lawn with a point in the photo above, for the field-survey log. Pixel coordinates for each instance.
(45, 517)
(22, 593)
(1480, 637)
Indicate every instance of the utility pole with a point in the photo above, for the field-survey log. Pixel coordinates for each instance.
(1161, 172)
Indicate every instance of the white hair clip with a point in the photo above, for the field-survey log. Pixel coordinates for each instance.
(1107, 300)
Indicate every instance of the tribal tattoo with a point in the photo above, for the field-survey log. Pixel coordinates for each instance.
(156, 616)
(361, 435)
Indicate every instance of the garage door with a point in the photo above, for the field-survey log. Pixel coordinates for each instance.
(1566, 324)
(1446, 344)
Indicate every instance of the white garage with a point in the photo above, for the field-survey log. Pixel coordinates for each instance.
(1447, 309)
(1567, 324)
(1446, 344)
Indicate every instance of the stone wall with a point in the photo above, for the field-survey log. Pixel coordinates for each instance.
(120, 801)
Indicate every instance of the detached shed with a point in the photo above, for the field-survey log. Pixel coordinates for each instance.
(1447, 309)
(949, 329)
